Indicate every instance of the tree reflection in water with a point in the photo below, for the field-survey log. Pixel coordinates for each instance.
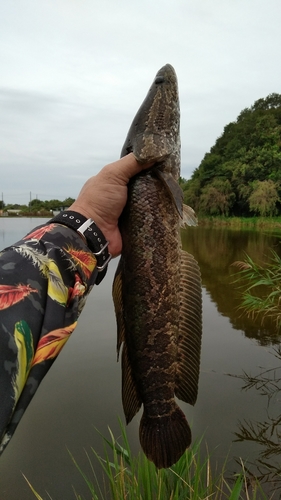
(216, 249)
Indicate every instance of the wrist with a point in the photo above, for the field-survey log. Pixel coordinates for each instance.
(79, 208)
(89, 214)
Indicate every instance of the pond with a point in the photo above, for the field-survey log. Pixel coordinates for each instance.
(82, 391)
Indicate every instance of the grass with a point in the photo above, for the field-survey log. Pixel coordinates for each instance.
(136, 478)
(262, 295)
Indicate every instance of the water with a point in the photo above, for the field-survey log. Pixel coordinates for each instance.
(82, 390)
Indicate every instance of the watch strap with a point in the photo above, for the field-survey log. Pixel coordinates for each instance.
(93, 235)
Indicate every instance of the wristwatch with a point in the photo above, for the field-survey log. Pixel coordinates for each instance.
(93, 235)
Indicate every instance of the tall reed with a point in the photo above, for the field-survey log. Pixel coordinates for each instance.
(136, 478)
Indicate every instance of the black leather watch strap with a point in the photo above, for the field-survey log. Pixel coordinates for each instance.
(94, 237)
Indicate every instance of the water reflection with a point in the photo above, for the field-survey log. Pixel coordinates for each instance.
(265, 433)
(83, 390)
(216, 249)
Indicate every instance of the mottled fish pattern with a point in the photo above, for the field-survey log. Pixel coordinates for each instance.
(157, 286)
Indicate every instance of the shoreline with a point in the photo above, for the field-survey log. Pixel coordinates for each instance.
(241, 222)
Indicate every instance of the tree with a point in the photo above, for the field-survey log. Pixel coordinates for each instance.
(68, 201)
(191, 194)
(264, 198)
(217, 198)
(36, 205)
(248, 150)
(271, 101)
(53, 204)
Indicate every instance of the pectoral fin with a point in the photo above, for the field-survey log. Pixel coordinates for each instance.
(189, 217)
(173, 188)
(130, 397)
(190, 330)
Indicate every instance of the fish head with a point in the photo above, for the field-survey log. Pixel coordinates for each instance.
(155, 131)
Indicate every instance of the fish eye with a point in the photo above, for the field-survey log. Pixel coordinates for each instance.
(159, 79)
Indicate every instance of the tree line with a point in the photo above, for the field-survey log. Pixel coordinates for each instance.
(37, 206)
(241, 175)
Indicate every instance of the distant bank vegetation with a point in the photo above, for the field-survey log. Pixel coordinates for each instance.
(241, 175)
(35, 207)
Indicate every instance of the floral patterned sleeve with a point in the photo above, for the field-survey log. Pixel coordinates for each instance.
(44, 281)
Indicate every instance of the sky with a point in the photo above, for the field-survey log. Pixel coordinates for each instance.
(73, 73)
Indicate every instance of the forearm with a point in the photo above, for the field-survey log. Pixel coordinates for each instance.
(45, 279)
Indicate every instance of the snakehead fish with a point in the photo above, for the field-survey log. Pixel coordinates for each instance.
(157, 286)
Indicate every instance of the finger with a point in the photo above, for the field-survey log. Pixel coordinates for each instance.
(136, 166)
(126, 167)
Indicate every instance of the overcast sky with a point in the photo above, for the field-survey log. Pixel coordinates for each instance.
(74, 72)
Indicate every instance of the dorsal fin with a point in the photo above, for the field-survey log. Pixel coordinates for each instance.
(118, 306)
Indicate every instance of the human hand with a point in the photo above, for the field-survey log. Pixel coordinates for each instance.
(103, 197)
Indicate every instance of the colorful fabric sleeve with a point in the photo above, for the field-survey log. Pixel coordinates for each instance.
(44, 282)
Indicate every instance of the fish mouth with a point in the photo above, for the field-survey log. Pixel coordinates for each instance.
(166, 74)
(163, 103)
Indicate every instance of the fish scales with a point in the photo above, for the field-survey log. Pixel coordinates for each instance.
(152, 303)
(157, 287)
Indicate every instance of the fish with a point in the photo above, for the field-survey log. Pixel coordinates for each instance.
(157, 285)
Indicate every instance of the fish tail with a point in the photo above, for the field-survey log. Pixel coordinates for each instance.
(164, 439)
